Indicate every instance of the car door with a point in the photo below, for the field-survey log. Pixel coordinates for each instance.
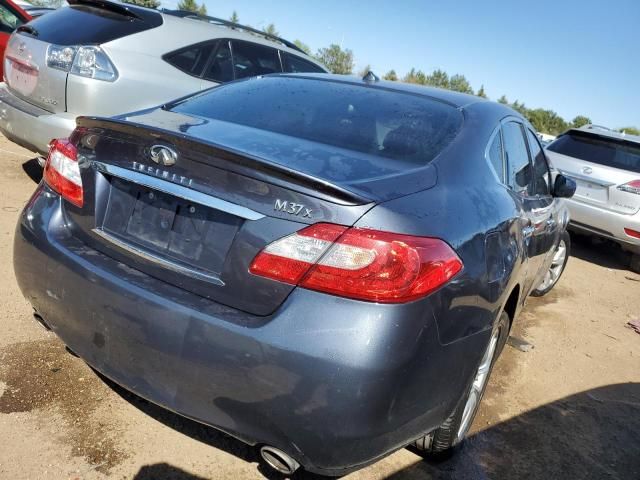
(541, 193)
(11, 17)
(536, 222)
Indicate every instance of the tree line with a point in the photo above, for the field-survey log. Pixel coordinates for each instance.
(341, 61)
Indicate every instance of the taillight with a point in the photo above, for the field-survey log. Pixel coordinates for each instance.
(88, 61)
(62, 173)
(631, 187)
(632, 233)
(359, 263)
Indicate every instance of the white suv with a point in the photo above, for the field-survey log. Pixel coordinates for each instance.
(103, 58)
(606, 167)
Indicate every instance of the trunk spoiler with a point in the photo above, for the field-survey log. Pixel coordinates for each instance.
(232, 160)
(115, 7)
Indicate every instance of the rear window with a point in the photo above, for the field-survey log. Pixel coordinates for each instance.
(82, 24)
(609, 152)
(405, 130)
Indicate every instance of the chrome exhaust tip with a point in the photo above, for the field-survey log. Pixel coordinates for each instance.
(278, 460)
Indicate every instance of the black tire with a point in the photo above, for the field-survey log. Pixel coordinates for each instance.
(543, 290)
(634, 265)
(442, 442)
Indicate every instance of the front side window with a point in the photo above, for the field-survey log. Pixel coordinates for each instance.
(517, 156)
(295, 64)
(251, 59)
(191, 60)
(221, 67)
(540, 184)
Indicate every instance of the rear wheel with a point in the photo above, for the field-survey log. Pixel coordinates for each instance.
(634, 266)
(558, 264)
(441, 442)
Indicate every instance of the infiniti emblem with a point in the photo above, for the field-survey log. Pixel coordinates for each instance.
(21, 47)
(163, 155)
(587, 170)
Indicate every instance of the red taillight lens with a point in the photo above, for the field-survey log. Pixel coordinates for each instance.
(62, 173)
(359, 263)
(631, 187)
(632, 233)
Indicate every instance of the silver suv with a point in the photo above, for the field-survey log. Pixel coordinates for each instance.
(105, 58)
(606, 167)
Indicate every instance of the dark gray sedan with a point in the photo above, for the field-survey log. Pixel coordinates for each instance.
(321, 266)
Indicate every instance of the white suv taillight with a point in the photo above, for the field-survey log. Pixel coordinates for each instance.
(90, 62)
(62, 173)
(631, 187)
(359, 263)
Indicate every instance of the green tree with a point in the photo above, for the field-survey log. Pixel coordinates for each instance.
(59, 3)
(481, 93)
(302, 46)
(415, 76)
(438, 78)
(459, 83)
(144, 3)
(391, 75)
(364, 71)
(503, 100)
(630, 130)
(336, 59)
(580, 121)
(202, 10)
(188, 5)
(271, 30)
(234, 17)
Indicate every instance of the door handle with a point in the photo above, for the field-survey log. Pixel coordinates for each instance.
(527, 232)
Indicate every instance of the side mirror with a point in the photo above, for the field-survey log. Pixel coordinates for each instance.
(563, 187)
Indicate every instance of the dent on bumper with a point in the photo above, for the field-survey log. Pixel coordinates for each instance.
(333, 382)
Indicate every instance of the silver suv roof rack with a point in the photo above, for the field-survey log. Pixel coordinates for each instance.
(227, 23)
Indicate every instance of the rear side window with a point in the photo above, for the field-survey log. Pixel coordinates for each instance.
(495, 155)
(614, 153)
(221, 67)
(251, 59)
(191, 60)
(93, 25)
(402, 131)
(518, 166)
(295, 64)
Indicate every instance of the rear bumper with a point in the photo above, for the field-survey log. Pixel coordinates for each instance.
(29, 126)
(334, 383)
(605, 223)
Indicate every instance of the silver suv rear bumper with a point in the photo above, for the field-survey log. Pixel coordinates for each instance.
(605, 223)
(29, 126)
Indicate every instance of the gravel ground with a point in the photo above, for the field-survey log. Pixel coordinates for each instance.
(568, 408)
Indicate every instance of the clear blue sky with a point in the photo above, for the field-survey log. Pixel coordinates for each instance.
(575, 57)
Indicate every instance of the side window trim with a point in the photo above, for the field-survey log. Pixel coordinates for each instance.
(500, 176)
(518, 121)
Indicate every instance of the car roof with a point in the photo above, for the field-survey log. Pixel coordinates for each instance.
(605, 132)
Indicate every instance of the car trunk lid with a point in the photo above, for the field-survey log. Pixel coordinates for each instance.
(198, 223)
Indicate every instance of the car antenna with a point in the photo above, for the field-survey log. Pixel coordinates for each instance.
(370, 77)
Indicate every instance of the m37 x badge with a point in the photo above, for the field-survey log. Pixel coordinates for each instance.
(292, 208)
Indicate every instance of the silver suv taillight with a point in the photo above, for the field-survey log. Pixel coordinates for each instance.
(89, 61)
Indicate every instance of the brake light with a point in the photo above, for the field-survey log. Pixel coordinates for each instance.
(86, 61)
(359, 263)
(62, 173)
(632, 233)
(631, 187)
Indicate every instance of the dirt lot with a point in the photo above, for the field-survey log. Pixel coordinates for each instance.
(569, 408)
